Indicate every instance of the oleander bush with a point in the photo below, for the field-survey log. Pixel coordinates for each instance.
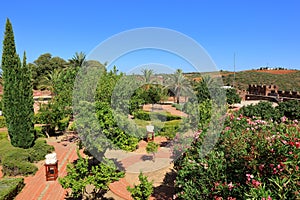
(253, 159)
(10, 187)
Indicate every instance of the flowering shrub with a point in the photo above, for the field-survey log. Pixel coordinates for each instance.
(253, 159)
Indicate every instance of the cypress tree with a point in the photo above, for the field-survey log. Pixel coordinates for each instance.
(17, 93)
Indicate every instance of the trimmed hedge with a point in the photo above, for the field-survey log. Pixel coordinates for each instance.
(10, 187)
(163, 116)
(17, 161)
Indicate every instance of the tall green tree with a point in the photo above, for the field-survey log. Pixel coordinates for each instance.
(17, 93)
(179, 84)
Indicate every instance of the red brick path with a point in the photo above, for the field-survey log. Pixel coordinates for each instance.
(37, 188)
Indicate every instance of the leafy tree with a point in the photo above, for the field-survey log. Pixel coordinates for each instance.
(143, 190)
(80, 174)
(152, 147)
(232, 97)
(44, 65)
(202, 89)
(17, 97)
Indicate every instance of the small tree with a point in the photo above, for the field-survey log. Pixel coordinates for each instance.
(143, 190)
(81, 174)
(152, 147)
(232, 96)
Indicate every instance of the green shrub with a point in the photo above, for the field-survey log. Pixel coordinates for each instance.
(63, 123)
(140, 114)
(10, 187)
(290, 109)
(39, 150)
(72, 126)
(143, 190)
(39, 131)
(178, 106)
(17, 162)
(263, 110)
(170, 129)
(5, 147)
(2, 122)
(162, 116)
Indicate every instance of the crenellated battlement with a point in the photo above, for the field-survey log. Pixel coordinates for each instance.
(271, 90)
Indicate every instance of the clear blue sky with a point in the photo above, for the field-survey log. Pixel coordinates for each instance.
(260, 32)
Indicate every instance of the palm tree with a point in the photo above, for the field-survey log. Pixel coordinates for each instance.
(78, 59)
(179, 84)
(147, 77)
(49, 80)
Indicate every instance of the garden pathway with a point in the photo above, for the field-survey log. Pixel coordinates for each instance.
(37, 188)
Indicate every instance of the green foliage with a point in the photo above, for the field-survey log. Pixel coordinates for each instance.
(179, 85)
(252, 159)
(152, 147)
(232, 97)
(39, 150)
(112, 130)
(39, 131)
(63, 123)
(17, 162)
(162, 116)
(169, 129)
(18, 97)
(143, 190)
(3, 135)
(106, 85)
(44, 65)
(290, 109)
(10, 187)
(80, 174)
(2, 122)
(264, 110)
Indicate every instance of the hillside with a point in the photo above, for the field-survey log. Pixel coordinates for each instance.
(284, 79)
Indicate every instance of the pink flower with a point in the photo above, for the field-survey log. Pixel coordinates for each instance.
(255, 183)
(227, 128)
(230, 186)
(261, 167)
(284, 142)
(269, 198)
(283, 119)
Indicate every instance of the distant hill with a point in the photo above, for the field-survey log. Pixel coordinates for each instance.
(284, 79)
